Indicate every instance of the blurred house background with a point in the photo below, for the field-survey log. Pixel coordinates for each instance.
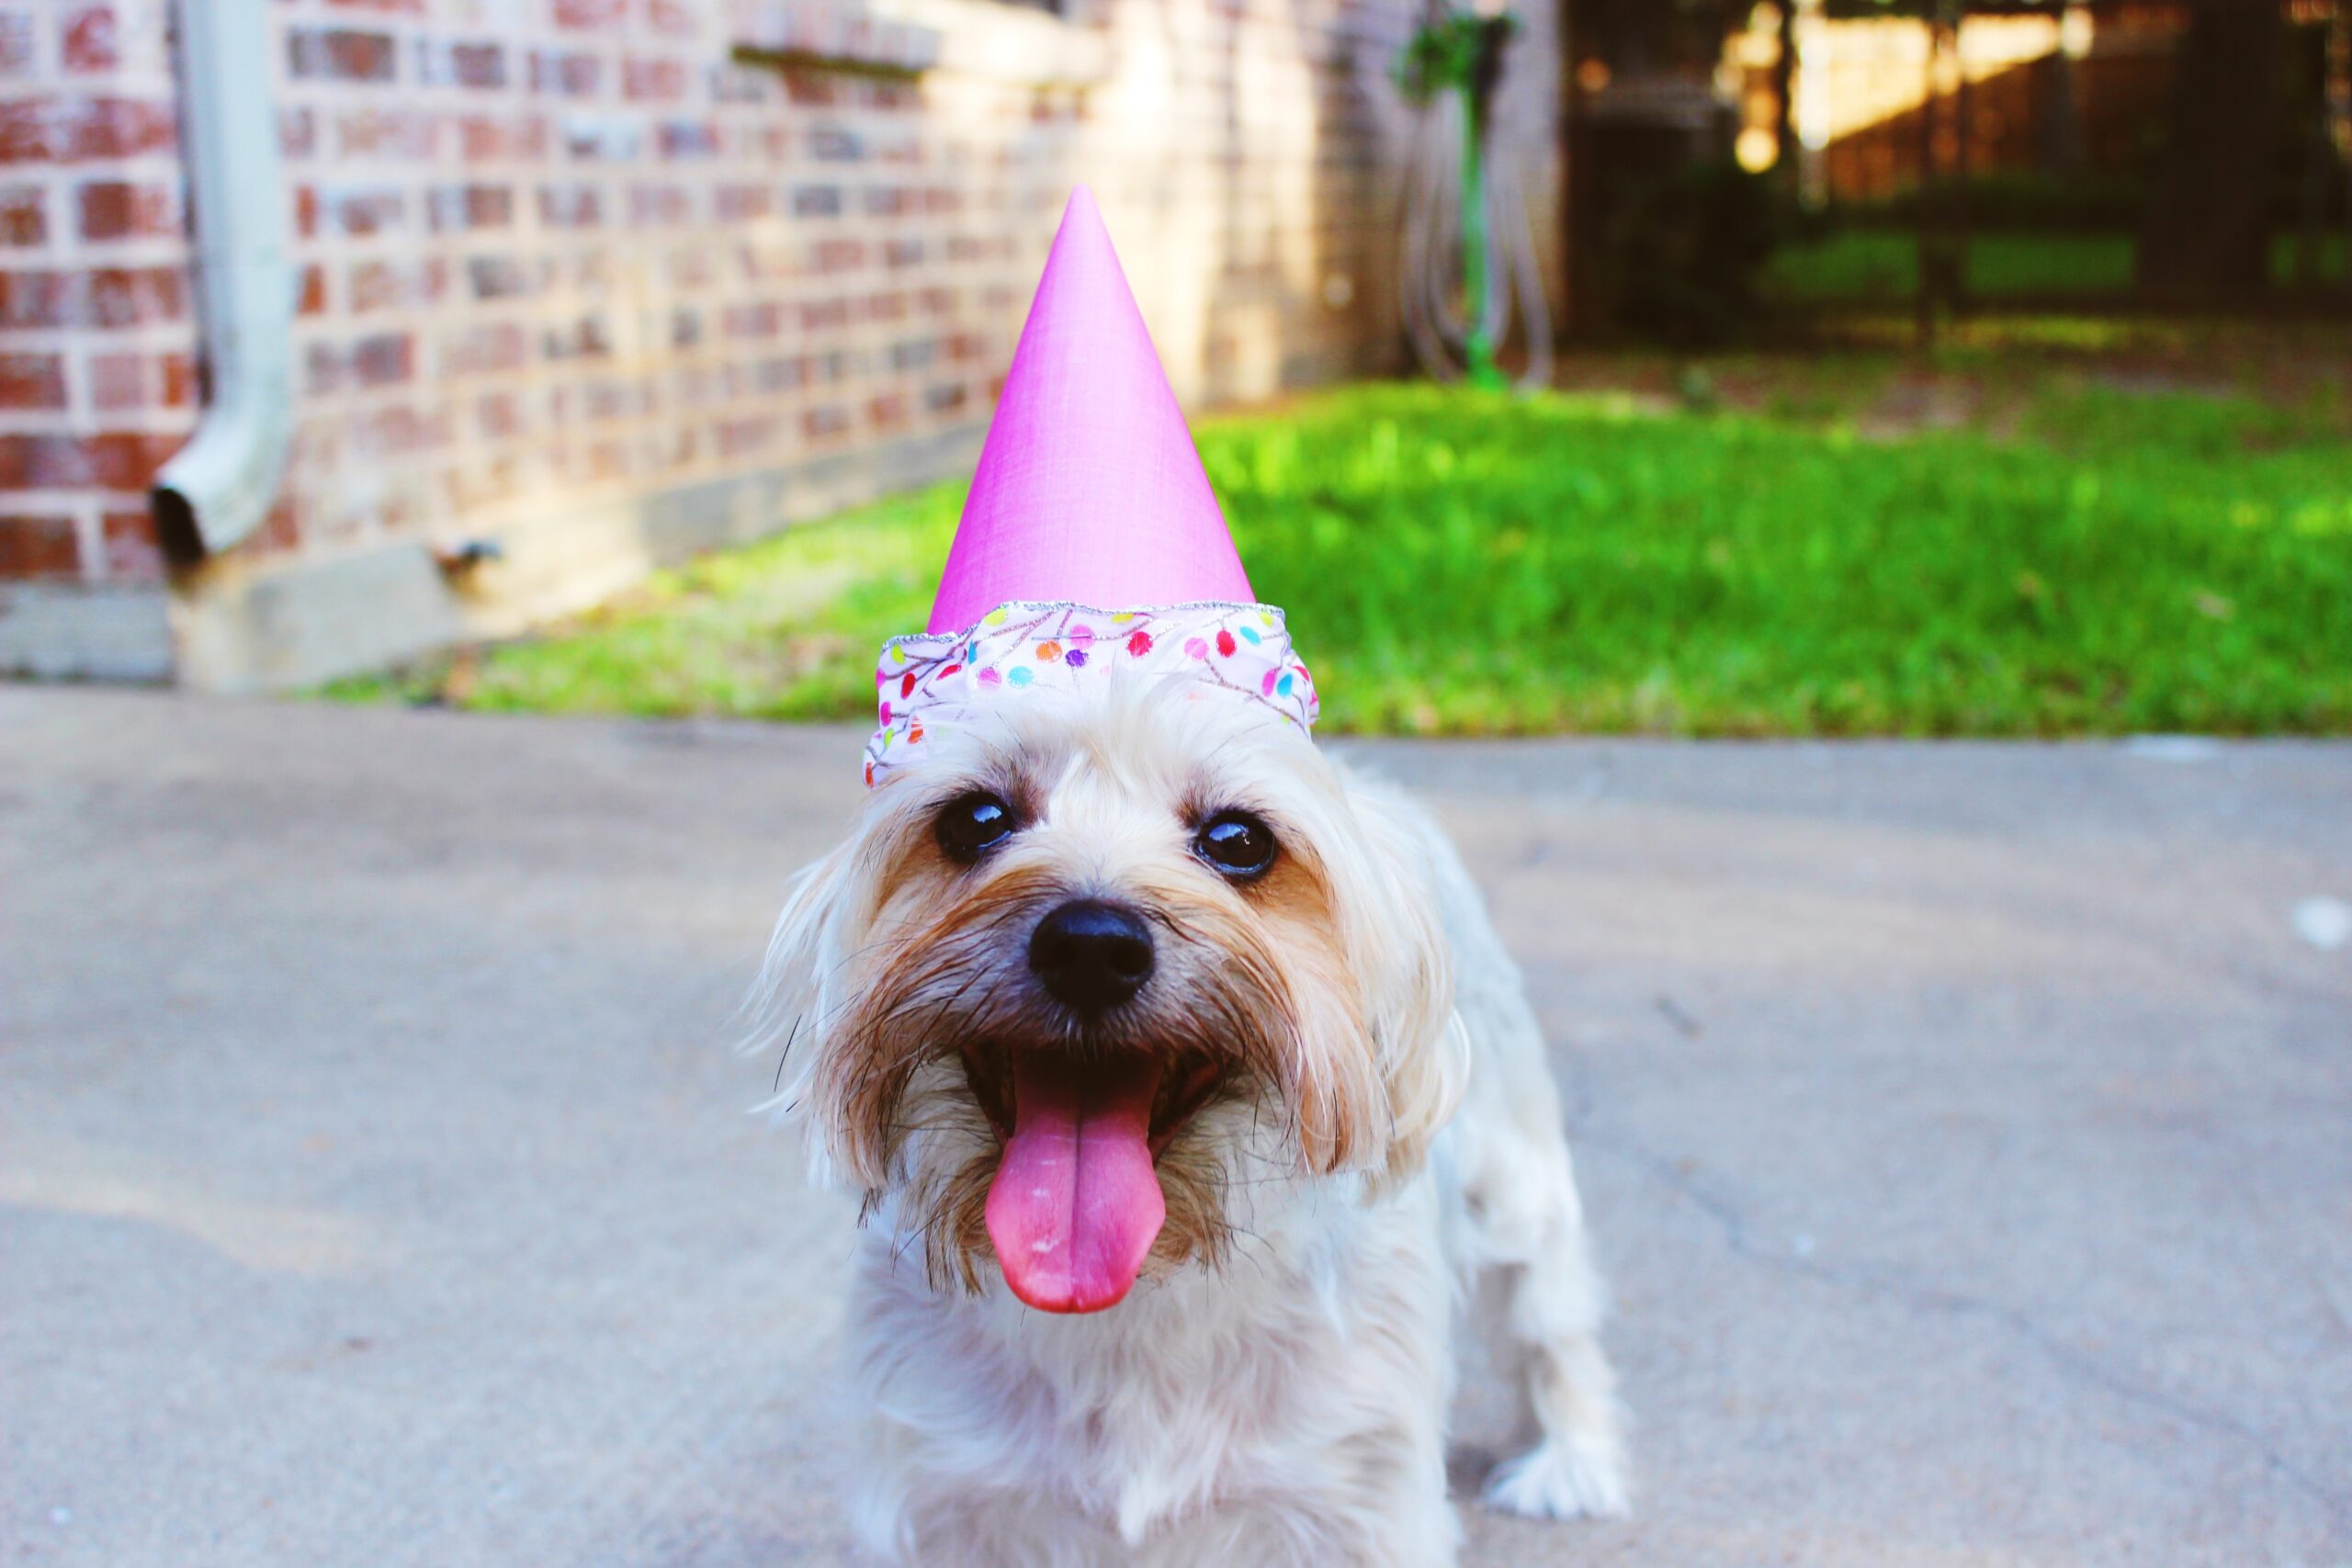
(594, 284)
(574, 288)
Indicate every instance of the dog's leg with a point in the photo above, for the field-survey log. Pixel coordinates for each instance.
(1528, 1221)
(1518, 1211)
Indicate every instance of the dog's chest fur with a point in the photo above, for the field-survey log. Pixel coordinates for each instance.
(1294, 1392)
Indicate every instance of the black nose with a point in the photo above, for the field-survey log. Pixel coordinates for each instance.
(1091, 955)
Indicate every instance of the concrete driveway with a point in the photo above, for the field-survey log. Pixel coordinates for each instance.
(1968, 1132)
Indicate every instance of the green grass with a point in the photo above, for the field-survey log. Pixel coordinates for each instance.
(1882, 265)
(1455, 562)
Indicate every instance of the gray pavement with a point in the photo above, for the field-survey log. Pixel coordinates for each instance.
(1966, 1129)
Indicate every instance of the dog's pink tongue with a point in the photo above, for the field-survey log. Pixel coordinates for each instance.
(1076, 1204)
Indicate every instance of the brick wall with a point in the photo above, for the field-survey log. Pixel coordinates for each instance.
(569, 272)
(97, 381)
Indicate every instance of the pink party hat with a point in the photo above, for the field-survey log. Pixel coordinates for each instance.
(1089, 489)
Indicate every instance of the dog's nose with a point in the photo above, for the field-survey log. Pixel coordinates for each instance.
(1090, 954)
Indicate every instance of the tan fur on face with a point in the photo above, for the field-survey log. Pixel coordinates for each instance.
(1319, 992)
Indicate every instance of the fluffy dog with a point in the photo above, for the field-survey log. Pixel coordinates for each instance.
(1188, 1086)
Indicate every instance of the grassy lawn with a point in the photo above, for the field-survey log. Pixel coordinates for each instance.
(1457, 563)
(1882, 265)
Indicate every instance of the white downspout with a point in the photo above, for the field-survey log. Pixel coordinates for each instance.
(217, 488)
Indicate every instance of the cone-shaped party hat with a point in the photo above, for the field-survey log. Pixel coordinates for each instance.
(1090, 542)
(1089, 489)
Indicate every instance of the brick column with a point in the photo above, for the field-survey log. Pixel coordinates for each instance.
(97, 381)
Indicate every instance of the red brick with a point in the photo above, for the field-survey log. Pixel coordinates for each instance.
(735, 202)
(118, 209)
(90, 40)
(570, 206)
(441, 64)
(132, 550)
(583, 339)
(499, 416)
(32, 382)
(37, 546)
(456, 208)
(761, 320)
(484, 139)
(122, 461)
(106, 297)
(669, 17)
(341, 54)
(118, 381)
(68, 130)
(660, 206)
(590, 13)
(121, 381)
(143, 380)
(742, 437)
(839, 255)
(35, 300)
(372, 131)
(398, 430)
(384, 360)
(182, 380)
(131, 297)
(378, 285)
(497, 277)
(832, 144)
(809, 89)
(127, 460)
(314, 300)
(659, 81)
(24, 216)
(733, 83)
(486, 347)
(770, 378)
(362, 209)
(564, 74)
(682, 140)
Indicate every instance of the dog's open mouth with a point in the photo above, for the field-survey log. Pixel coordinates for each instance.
(1076, 1204)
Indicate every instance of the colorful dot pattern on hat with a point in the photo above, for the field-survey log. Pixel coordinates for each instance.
(924, 683)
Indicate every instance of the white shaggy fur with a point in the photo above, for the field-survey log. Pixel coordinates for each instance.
(1286, 1404)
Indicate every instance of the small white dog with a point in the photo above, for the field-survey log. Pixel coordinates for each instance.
(1129, 1001)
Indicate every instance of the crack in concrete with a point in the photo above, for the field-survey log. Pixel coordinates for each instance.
(1886, 1283)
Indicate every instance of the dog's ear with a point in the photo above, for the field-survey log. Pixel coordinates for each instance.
(1393, 928)
(793, 996)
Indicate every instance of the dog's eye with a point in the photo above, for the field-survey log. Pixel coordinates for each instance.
(972, 825)
(1236, 843)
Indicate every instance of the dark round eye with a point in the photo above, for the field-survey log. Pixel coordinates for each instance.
(972, 825)
(1236, 843)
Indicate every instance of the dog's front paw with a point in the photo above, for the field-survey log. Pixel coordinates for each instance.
(1560, 1481)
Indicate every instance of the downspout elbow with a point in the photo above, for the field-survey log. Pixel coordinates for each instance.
(216, 490)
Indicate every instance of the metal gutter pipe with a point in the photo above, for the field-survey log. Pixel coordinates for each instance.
(219, 487)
